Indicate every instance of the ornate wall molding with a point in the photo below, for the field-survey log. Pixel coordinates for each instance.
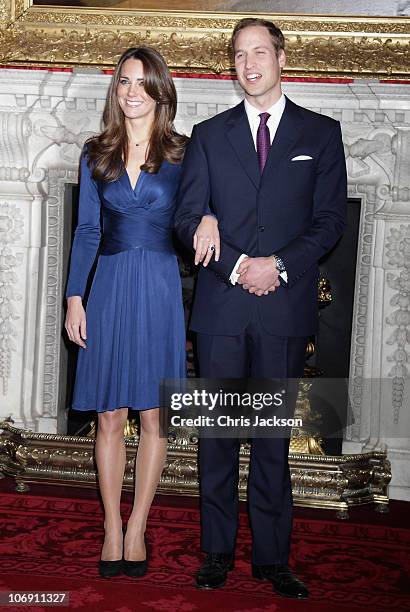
(360, 327)
(11, 230)
(398, 257)
(57, 181)
(43, 125)
(316, 46)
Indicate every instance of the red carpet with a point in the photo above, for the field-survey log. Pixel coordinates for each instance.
(53, 543)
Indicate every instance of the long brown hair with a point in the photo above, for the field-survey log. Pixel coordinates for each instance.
(108, 152)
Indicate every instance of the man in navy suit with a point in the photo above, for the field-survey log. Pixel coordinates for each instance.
(274, 176)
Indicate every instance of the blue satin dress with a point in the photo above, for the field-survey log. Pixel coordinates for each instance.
(135, 319)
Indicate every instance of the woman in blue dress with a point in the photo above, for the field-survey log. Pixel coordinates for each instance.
(133, 334)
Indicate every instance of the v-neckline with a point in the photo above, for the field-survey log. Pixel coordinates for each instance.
(129, 180)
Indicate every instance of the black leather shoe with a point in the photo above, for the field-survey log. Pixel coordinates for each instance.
(282, 579)
(212, 574)
(136, 569)
(109, 569)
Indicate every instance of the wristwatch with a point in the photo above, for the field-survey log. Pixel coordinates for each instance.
(280, 266)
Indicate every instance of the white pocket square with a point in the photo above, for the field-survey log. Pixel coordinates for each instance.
(301, 158)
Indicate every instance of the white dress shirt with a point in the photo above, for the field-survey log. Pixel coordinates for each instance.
(275, 112)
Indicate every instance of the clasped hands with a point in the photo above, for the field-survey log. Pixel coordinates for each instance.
(257, 275)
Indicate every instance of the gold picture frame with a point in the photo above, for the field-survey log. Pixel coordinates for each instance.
(317, 46)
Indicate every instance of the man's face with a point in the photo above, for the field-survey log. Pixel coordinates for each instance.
(258, 66)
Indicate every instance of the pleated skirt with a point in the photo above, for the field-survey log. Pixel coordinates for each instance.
(135, 332)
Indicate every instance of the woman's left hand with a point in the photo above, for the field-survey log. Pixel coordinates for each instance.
(206, 240)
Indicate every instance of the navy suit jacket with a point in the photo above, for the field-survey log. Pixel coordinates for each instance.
(295, 209)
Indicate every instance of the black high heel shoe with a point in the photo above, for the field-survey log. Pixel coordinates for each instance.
(136, 569)
(109, 569)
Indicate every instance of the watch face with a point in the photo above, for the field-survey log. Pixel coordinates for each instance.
(280, 265)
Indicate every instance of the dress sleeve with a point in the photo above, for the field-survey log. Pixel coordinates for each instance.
(88, 233)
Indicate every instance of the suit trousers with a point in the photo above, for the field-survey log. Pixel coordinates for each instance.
(255, 354)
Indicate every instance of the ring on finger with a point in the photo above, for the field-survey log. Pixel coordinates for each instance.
(211, 247)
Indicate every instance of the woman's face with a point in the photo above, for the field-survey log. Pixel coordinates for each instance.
(132, 97)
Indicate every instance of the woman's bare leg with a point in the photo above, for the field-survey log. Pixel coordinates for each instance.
(110, 458)
(152, 451)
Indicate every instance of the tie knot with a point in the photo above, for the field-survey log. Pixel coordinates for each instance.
(264, 118)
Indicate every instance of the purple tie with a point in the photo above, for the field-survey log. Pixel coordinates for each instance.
(263, 141)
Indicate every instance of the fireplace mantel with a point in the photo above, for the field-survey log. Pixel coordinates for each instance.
(45, 118)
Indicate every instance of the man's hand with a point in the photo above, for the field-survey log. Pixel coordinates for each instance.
(258, 275)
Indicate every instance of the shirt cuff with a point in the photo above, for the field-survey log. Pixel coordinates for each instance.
(234, 274)
(284, 276)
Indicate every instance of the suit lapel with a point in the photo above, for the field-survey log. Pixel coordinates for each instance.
(288, 132)
(240, 137)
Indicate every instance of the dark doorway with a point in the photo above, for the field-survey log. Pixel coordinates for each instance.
(333, 341)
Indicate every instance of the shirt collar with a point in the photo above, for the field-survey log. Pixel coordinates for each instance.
(275, 111)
